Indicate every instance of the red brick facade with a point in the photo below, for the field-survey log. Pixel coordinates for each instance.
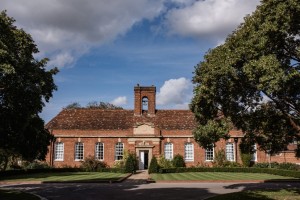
(144, 132)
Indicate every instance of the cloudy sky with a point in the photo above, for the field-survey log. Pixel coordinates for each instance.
(103, 48)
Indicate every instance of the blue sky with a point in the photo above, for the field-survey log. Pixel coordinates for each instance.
(103, 48)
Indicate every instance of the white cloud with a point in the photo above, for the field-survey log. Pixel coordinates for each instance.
(119, 101)
(66, 29)
(176, 92)
(211, 18)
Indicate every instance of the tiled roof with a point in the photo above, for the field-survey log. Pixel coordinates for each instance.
(97, 119)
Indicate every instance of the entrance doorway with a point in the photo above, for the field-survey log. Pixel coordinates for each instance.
(143, 159)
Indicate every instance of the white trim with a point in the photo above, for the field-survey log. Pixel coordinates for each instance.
(119, 151)
(191, 149)
(96, 150)
(254, 155)
(230, 154)
(76, 151)
(170, 151)
(61, 153)
(213, 153)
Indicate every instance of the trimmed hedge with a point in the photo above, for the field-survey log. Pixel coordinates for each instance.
(289, 173)
(286, 166)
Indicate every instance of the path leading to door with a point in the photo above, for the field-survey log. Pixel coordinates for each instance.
(140, 177)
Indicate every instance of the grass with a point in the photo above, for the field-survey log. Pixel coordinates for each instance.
(214, 176)
(67, 177)
(16, 195)
(283, 194)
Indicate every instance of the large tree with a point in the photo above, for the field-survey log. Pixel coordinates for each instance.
(25, 85)
(252, 80)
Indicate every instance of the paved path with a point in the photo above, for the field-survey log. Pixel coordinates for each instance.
(140, 177)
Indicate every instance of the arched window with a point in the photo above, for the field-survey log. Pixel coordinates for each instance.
(145, 103)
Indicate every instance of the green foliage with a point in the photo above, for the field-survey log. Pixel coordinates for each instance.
(246, 148)
(220, 158)
(130, 163)
(246, 159)
(94, 105)
(25, 85)
(178, 161)
(211, 132)
(153, 168)
(275, 165)
(35, 165)
(90, 164)
(164, 163)
(103, 105)
(73, 106)
(119, 164)
(253, 79)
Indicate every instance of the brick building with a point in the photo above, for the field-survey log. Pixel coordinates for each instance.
(106, 134)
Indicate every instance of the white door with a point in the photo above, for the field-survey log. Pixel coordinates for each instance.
(142, 160)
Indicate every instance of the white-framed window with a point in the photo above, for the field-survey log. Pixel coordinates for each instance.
(119, 151)
(209, 153)
(169, 151)
(79, 151)
(59, 151)
(99, 151)
(189, 152)
(230, 151)
(254, 154)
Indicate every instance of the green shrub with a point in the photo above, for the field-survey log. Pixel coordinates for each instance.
(275, 165)
(90, 164)
(164, 163)
(130, 164)
(246, 159)
(178, 161)
(35, 165)
(220, 159)
(153, 168)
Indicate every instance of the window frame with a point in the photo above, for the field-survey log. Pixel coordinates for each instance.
(99, 151)
(168, 151)
(189, 152)
(230, 155)
(119, 155)
(78, 156)
(59, 152)
(254, 154)
(210, 152)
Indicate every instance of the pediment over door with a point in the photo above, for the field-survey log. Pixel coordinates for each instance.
(143, 129)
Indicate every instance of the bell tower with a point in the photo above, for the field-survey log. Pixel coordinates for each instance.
(144, 100)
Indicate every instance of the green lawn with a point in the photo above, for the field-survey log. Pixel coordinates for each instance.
(67, 177)
(16, 195)
(210, 176)
(284, 194)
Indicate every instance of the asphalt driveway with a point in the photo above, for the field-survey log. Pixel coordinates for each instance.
(139, 190)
